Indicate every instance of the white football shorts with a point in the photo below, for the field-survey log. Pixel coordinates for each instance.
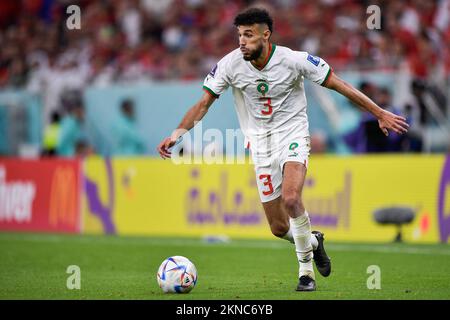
(269, 171)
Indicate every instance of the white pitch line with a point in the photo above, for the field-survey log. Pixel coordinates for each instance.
(241, 243)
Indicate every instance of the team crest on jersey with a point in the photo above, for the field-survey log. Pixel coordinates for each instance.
(314, 60)
(262, 87)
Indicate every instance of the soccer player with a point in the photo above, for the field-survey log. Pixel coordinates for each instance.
(268, 89)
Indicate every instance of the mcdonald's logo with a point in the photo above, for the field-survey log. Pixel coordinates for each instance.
(64, 198)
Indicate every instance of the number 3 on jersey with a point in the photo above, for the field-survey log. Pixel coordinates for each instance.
(267, 181)
(268, 106)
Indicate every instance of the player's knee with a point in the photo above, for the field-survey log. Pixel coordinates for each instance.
(279, 228)
(291, 202)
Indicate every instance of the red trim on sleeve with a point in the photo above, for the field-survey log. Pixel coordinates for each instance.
(212, 93)
(327, 76)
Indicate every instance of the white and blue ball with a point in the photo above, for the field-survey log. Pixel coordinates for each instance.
(177, 274)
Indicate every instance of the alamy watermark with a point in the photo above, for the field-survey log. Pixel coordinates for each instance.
(74, 280)
(374, 280)
(74, 20)
(214, 146)
(373, 22)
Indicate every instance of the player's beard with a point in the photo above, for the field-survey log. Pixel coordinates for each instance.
(254, 54)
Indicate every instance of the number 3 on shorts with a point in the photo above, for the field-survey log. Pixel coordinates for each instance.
(267, 181)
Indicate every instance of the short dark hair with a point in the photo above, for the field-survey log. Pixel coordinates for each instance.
(252, 16)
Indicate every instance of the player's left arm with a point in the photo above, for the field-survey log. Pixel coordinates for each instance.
(386, 120)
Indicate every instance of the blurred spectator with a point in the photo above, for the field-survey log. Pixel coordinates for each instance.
(83, 149)
(127, 138)
(392, 143)
(357, 139)
(414, 137)
(368, 136)
(374, 139)
(73, 140)
(131, 21)
(429, 101)
(368, 88)
(51, 135)
(421, 114)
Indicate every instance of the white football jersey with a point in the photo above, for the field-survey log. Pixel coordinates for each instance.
(271, 102)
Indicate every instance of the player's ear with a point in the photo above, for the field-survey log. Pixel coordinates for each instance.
(264, 30)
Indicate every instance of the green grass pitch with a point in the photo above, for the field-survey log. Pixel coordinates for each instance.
(33, 266)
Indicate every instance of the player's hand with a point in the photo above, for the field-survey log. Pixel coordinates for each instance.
(164, 146)
(390, 121)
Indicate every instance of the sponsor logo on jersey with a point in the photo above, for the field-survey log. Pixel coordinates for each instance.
(295, 154)
(213, 71)
(314, 60)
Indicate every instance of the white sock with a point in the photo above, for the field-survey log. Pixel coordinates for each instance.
(301, 231)
(314, 242)
(288, 236)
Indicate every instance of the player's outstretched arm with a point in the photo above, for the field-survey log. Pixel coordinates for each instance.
(386, 120)
(194, 114)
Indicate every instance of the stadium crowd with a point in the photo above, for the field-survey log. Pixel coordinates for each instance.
(181, 39)
(128, 41)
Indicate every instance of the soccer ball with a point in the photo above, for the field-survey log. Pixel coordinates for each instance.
(177, 274)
